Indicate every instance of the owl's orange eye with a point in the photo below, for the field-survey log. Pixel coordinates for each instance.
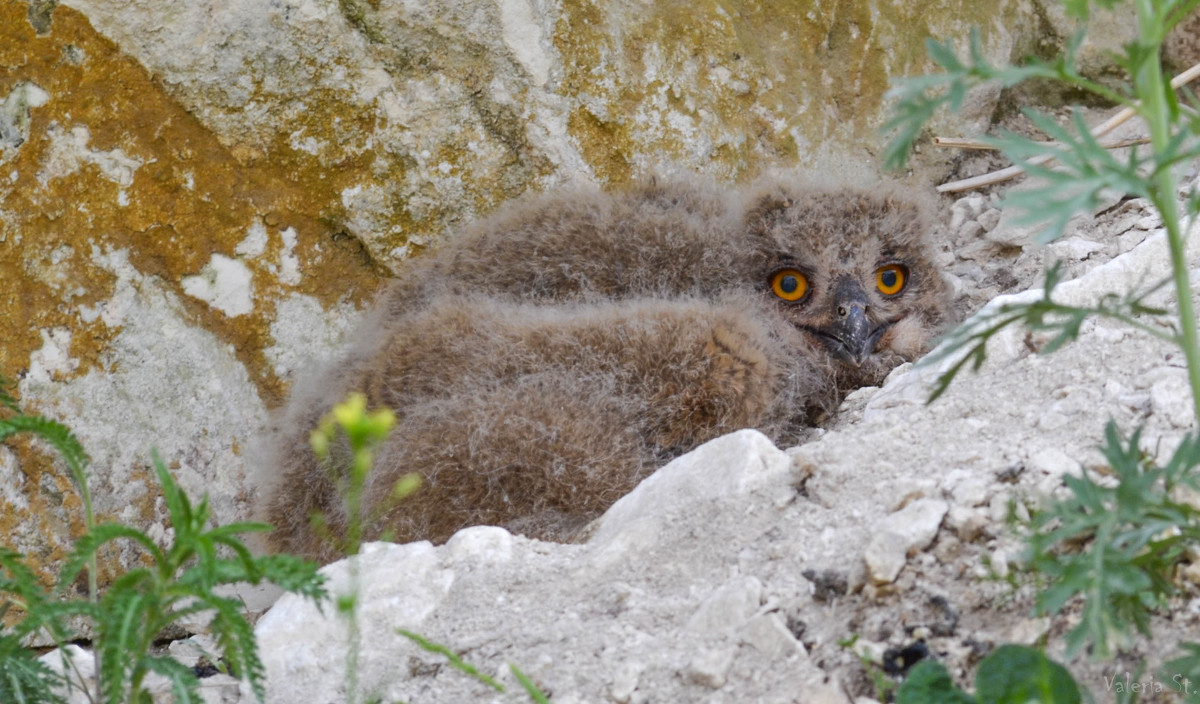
(789, 284)
(890, 279)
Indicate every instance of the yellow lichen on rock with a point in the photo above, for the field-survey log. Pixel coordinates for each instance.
(108, 163)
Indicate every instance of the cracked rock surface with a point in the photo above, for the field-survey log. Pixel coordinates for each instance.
(737, 572)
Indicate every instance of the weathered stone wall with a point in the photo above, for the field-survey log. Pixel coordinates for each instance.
(197, 196)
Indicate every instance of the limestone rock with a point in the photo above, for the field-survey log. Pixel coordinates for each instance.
(244, 173)
(911, 528)
(731, 573)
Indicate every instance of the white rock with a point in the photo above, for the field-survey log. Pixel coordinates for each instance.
(76, 664)
(189, 650)
(1007, 232)
(1170, 397)
(156, 360)
(523, 35)
(710, 667)
(1029, 631)
(53, 360)
(730, 465)
(727, 609)
(972, 490)
(304, 333)
(224, 284)
(625, 682)
(1076, 248)
(970, 230)
(69, 152)
(486, 544)
(912, 528)
(885, 556)
(254, 243)
(989, 219)
(1054, 463)
(966, 209)
(398, 585)
(967, 523)
(767, 634)
(999, 563)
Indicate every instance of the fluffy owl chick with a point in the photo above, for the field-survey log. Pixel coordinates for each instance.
(553, 355)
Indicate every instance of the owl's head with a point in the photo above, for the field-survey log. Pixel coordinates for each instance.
(852, 269)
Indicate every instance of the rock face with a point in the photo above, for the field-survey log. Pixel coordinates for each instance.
(197, 197)
(733, 573)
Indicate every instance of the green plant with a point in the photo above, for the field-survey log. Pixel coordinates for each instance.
(881, 682)
(1010, 674)
(466, 668)
(1116, 547)
(1136, 533)
(177, 580)
(363, 432)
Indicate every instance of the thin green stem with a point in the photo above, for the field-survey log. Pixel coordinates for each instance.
(354, 632)
(1151, 88)
(1097, 89)
(1137, 324)
(1179, 267)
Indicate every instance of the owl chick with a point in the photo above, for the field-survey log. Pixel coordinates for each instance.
(552, 355)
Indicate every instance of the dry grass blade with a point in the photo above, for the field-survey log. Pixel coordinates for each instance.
(1100, 130)
(968, 143)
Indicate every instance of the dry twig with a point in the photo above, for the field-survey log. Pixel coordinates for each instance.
(1013, 171)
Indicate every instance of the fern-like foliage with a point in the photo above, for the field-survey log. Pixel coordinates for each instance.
(967, 344)
(23, 678)
(176, 580)
(1132, 535)
(55, 434)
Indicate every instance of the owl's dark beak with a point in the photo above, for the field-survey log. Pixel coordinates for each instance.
(849, 336)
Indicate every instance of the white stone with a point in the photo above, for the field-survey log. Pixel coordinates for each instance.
(1010, 231)
(965, 210)
(399, 586)
(727, 609)
(54, 359)
(69, 151)
(989, 219)
(254, 243)
(1029, 631)
(1054, 463)
(13, 488)
(885, 556)
(305, 333)
(289, 263)
(767, 634)
(523, 35)
(710, 666)
(225, 284)
(164, 384)
(481, 544)
(75, 664)
(999, 563)
(972, 490)
(912, 528)
(730, 465)
(625, 682)
(1170, 397)
(967, 523)
(1076, 248)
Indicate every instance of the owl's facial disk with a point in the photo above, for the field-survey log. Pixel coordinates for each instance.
(849, 335)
